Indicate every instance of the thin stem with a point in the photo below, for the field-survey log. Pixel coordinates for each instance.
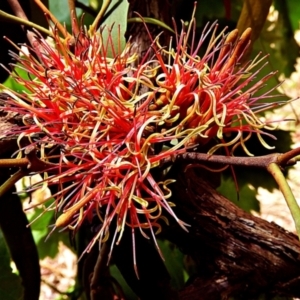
(20, 14)
(99, 274)
(289, 157)
(24, 22)
(100, 15)
(14, 163)
(276, 172)
(9, 183)
(60, 27)
(150, 21)
(74, 18)
(17, 9)
(86, 9)
(30, 163)
(257, 161)
(72, 7)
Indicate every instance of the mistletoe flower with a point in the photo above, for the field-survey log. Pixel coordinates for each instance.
(104, 124)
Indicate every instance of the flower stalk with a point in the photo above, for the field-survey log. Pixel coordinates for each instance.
(289, 197)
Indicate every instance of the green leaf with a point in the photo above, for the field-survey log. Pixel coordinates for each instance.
(208, 10)
(216, 10)
(114, 27)
(61, 11)
(13, 84)
(40, 226)
(49, 246)
(10, 284)
(174, 261)
(294, 12)
(247, 196)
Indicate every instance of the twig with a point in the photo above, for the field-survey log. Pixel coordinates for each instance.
(60, 27)
(74, 18)
(72, 7)
(17, 9)
(286, 191)
(24, 22)
(289, 157)
(30, 164)
(99, 273)
(9, 183)
(281, 159)
(194, 157)
(14, 163)
(19, 12)
(153, 21)
(86, 8)
(273, 163)
(100, 15)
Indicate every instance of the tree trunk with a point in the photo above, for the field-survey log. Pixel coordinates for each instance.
(237, 254)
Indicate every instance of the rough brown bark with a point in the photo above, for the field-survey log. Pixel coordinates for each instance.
(237, 254)
(140, 34)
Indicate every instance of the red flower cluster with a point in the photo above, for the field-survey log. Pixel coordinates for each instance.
(86, 113)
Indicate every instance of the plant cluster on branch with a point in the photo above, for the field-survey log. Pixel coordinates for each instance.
(101, 125)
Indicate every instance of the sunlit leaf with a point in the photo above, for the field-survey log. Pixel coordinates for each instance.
(61, 11)
(49, 246)
(116, 23)
(12, 84)
(40, 226)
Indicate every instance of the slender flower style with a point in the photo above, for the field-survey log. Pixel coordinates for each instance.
(104, 124)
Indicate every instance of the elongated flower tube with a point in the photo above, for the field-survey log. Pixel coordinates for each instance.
(104, 124)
